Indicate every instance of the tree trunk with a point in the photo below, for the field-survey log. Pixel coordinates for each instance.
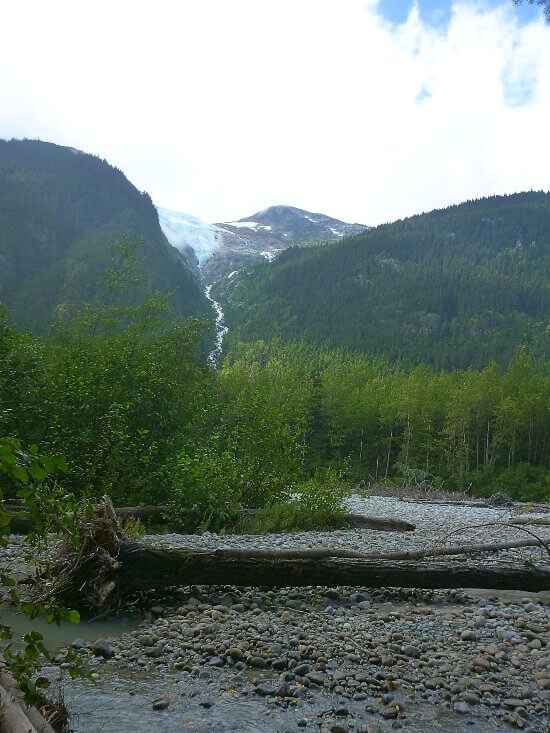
(143, 568)
(382, 524)
(21, 524)
(15, 716)
(526, 519)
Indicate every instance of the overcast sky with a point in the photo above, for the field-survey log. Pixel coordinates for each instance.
(368, 111)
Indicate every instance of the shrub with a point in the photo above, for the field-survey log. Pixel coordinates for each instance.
(523, 483)
(204, 489)
(316, 504)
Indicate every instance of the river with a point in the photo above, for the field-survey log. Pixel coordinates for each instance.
(221, 329)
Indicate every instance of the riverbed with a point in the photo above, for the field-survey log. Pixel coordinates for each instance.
(338, 660)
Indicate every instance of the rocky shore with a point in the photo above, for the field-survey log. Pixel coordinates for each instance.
(484, 657)
(346, 659)
(334, 660)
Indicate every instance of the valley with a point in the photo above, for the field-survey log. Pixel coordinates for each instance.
(249, 383)
(275, 367)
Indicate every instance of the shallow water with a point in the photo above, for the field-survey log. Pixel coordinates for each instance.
(121, 702)
(62, 635)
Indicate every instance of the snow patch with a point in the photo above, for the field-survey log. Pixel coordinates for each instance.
(247, 225)
(336, 232)
(309, 218)
(232, 274)
(268, 255)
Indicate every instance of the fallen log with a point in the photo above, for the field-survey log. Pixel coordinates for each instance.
(161, 513)
(382, 524)
(144, 568)
(15, 716)
(22, 524)
(323, 553)
(526, 519)
(107, 565)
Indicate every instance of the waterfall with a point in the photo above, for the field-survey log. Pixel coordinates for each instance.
(221, 329)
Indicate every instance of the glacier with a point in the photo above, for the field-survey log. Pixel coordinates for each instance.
(184, 231)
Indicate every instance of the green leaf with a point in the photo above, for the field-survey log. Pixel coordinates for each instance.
(20, 474)
(73, 616)
(37, 471)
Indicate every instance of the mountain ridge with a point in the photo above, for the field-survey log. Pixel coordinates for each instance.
(455, 287)
(59, 209)
(223, 248)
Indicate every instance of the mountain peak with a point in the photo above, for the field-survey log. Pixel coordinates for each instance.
(222, 249)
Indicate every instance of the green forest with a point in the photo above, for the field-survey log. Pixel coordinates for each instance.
(60, 208)
(455, 288)
(414, 352)
(131, 403)
(411, 356)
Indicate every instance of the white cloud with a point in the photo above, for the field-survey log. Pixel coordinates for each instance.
(223, 107)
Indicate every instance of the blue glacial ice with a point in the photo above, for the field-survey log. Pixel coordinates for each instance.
(184, 231)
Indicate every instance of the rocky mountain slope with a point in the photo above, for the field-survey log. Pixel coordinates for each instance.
(225, 248)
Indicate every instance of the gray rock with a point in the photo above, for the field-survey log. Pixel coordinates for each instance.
(482, 663)
(161, 704)
(236, 653)
(470, 698)
(318, 678)
(461, 708)
(373, 728)
(258, 662)
(102, 648)
(146, 640)
(339, 728)
(267, 688)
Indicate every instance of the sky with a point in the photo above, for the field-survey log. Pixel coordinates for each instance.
(366, 110)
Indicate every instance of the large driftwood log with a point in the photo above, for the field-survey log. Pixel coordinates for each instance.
(143, 568)
(21, 524)
(15, 716)
(526, 519)
(382, 524)
(324, 553)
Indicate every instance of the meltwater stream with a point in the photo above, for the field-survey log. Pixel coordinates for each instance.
(221, 329)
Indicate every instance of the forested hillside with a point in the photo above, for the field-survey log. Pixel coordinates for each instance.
(454, 288)
(59, 210)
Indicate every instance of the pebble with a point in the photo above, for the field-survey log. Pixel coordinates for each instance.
(381, 648)
(161, 704)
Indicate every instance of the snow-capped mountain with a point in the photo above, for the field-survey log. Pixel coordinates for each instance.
(222, 249)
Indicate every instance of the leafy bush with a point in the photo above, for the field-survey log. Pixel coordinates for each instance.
(523, 483)
(204, 489)
(29, 477)
(316, 504)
